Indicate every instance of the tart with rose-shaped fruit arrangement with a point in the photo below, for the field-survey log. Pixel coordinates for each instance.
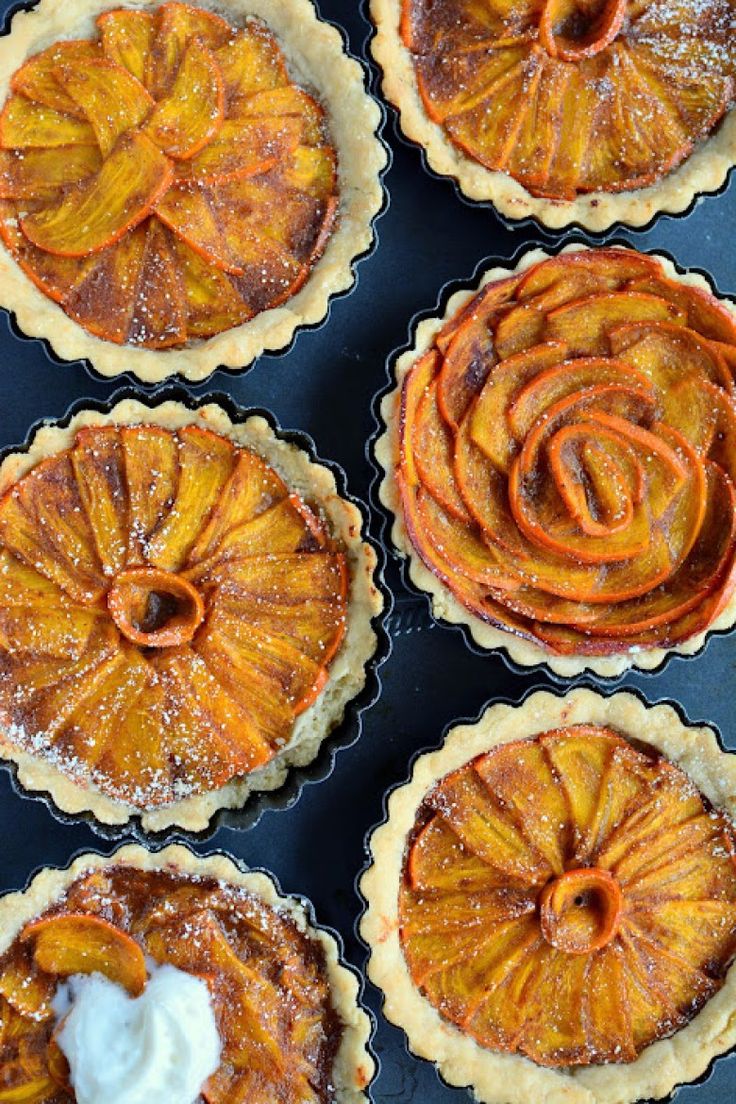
(559, 457)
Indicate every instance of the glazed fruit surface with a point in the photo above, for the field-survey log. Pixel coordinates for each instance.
(166, 180)
(567, 455)
(572, 96)
(155, 635)
(267, 981)
(568, 898)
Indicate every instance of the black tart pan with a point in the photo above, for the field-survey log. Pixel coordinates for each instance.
(324, 385)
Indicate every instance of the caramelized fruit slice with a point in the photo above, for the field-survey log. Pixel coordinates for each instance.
(107, 205)
(108, 96)
(127, 39)
(41, 173)
(159, 315)
(190, 215)
(28, 125)
(605, 967)
(192, 113)
(79, 944)
(242, 148)
(180, 25)
(109, 279)
(37, 78)
(251, 62)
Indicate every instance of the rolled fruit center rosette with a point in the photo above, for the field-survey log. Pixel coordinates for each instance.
(567, 455)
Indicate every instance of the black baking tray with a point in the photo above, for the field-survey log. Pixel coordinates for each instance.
(324, 386)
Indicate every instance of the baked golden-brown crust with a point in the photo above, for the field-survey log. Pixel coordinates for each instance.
(448, 602)
(38, 770)
(705, 170)
(353, 1066)
(316, 59)
(501, 1078)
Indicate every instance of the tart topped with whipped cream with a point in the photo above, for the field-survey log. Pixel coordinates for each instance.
(185, 610)
(553, 896)
(559, 459)
(173, 978)
(175, 175)
(568, 111)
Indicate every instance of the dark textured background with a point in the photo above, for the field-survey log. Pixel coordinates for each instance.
(325, 386)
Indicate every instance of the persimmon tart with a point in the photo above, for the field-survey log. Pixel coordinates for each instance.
(567, 110)
(552, 902)
(185, 611)
(107, 931)
(180, 188)
(560, 459)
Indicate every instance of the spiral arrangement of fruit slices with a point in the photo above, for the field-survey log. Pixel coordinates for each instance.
(568, 455)
(580, 810)
(267, 981)
(570, 97)
(150, 725)
(167, 181)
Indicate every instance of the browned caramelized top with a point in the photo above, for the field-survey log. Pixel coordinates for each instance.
(267, 979)
(166, 180)
(167, 609)
(571, 96)
(569, 898)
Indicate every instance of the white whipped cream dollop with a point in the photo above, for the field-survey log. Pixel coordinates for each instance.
(160, 1047)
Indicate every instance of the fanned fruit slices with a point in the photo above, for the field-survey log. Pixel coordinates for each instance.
(169, 608)
(569, 898)
(565, 461)
(573, 97)
(167, 180)
(285, 1008)
(552, 893)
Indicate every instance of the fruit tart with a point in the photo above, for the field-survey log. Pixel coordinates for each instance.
(180, 188)
(552, 902)
(560, 458)
(567, 110)
(170, 977)
(185, 611)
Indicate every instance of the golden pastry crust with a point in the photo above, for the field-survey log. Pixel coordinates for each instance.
(705, 171)
(347, 671)
(498, 1078)
(354, 1066)
(445, 605)
(316, 58)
